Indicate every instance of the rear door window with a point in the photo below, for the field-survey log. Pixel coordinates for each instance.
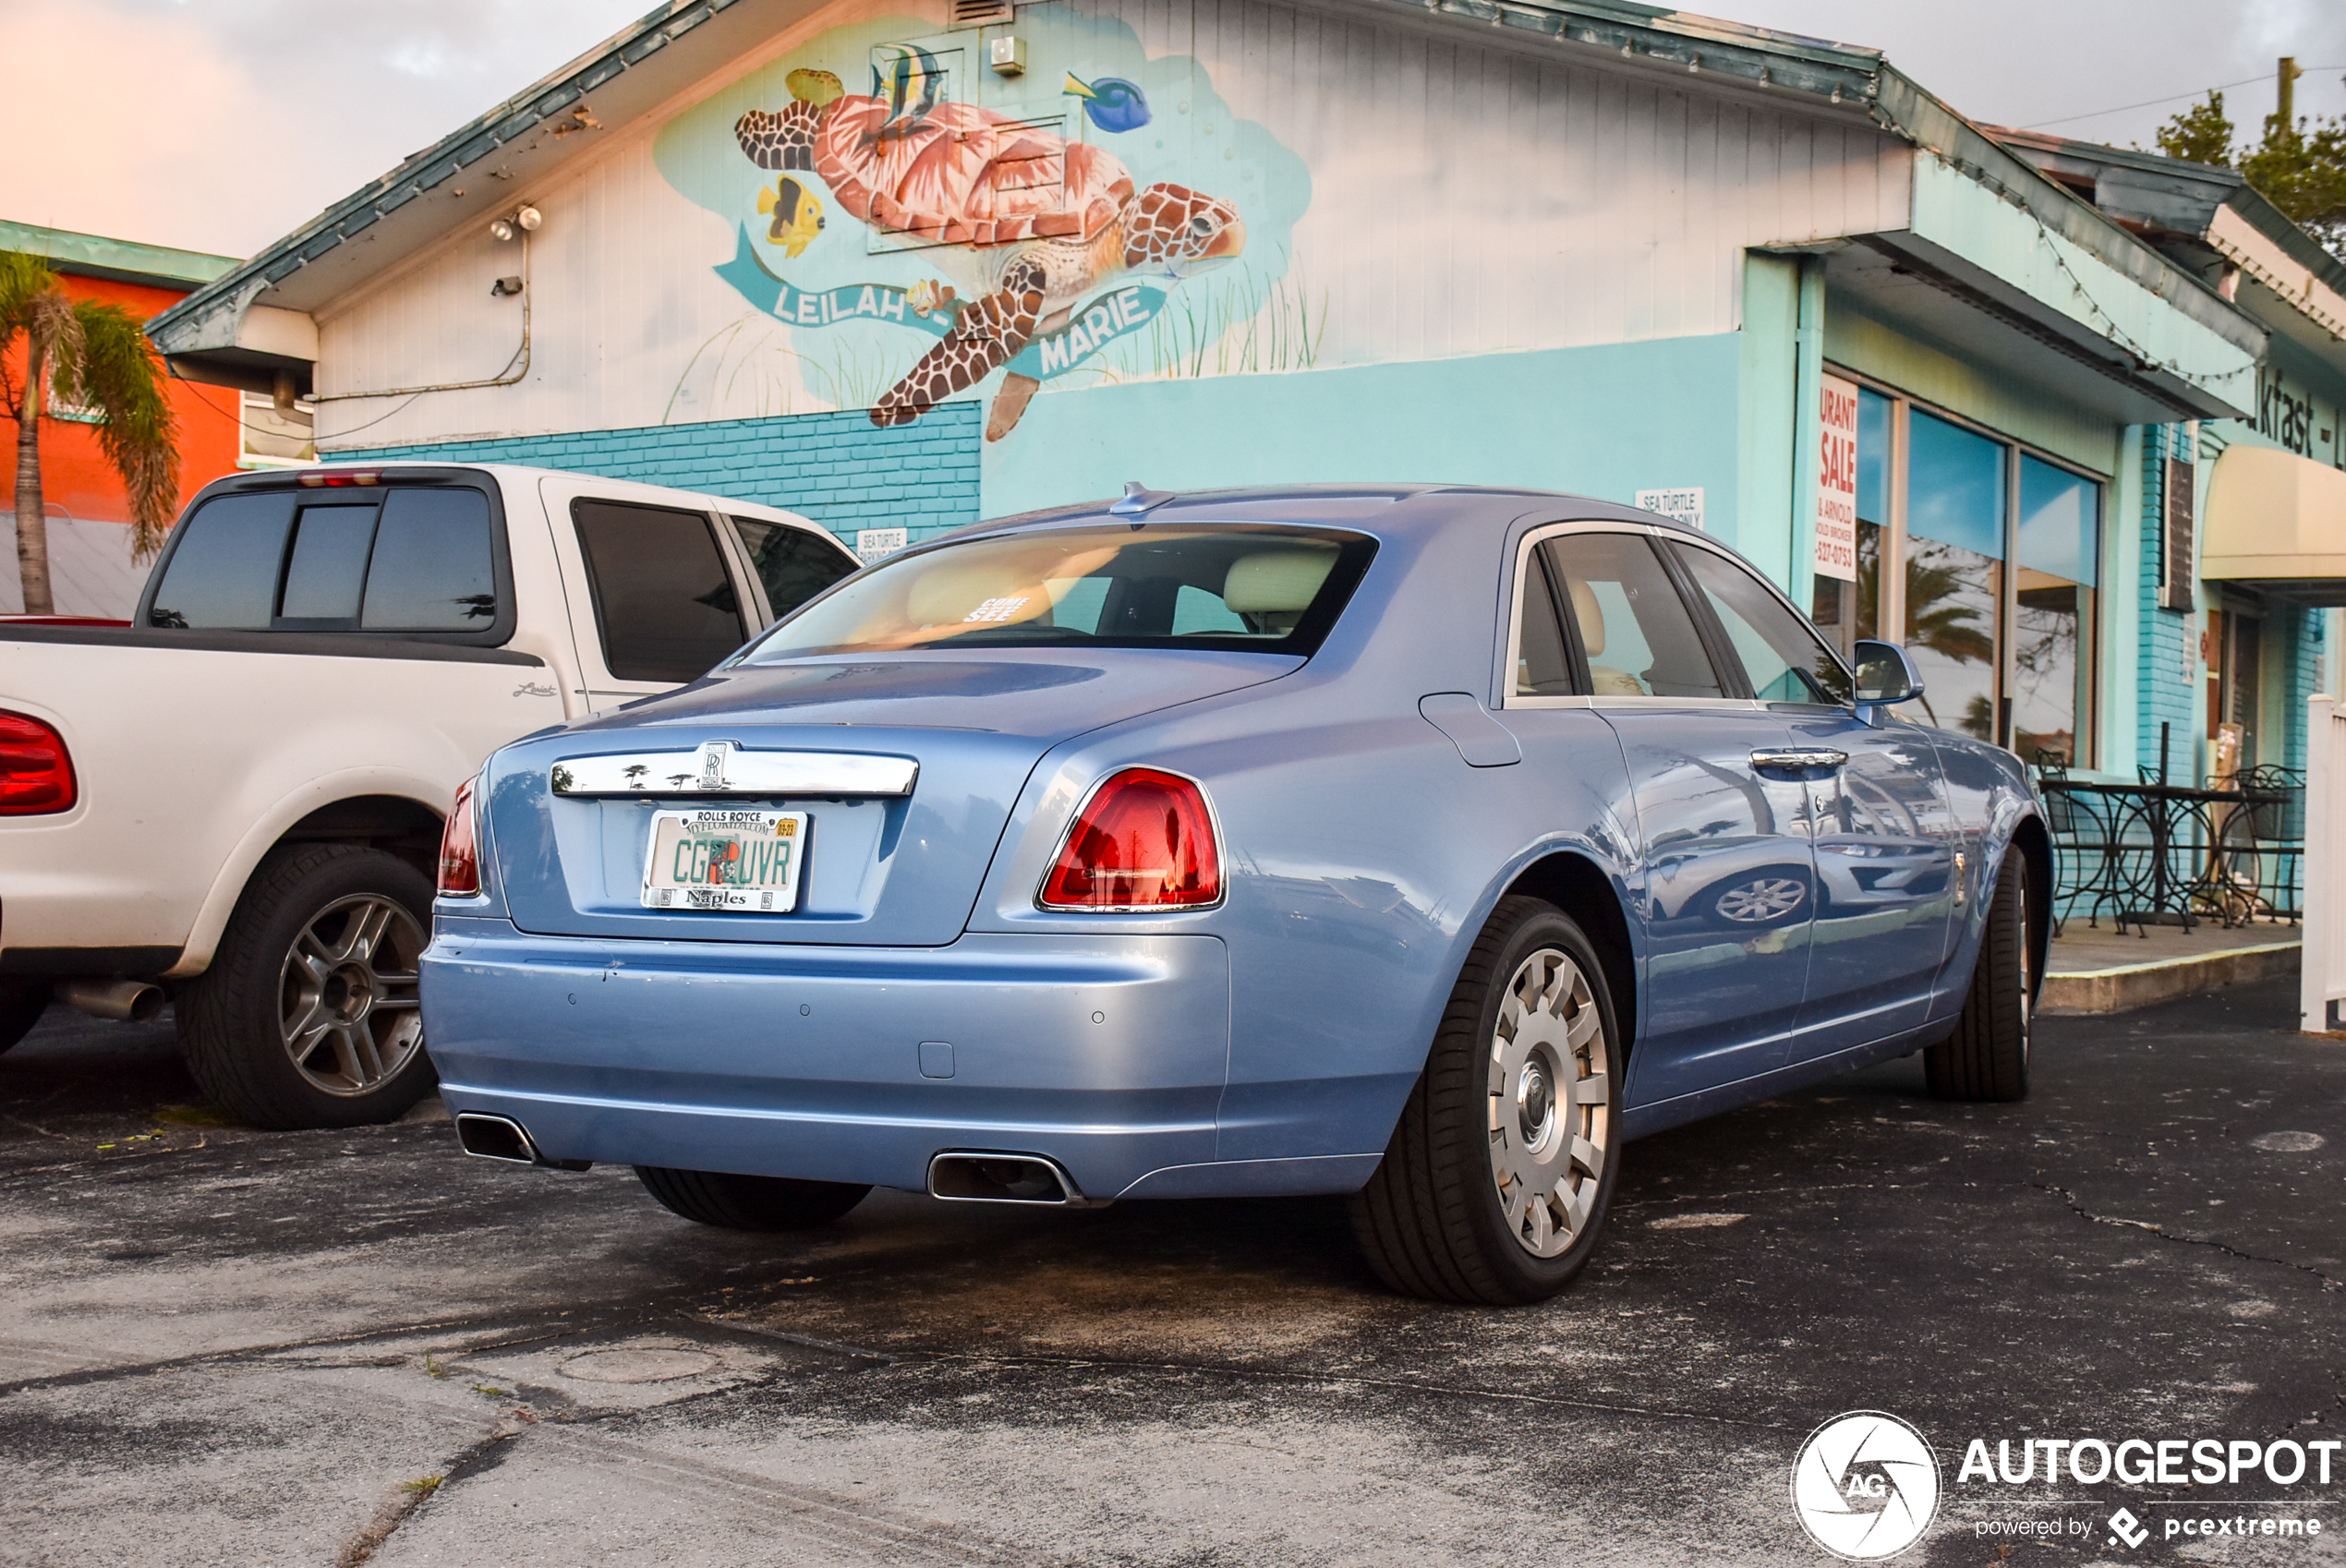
(664, 603)
(434, 567)
(1543, 668)
(224, 567)
(1636, 632)
(793, 563)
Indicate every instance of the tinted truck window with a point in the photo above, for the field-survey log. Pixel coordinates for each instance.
(665, 604)
(326, 571)
(433, 567)
(224, 567)
(793, 565)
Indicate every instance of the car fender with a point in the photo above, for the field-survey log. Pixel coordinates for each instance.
(270, 829)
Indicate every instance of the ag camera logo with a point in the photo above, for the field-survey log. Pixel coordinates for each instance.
(1864, 1486)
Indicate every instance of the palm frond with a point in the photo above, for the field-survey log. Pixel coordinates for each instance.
(117, 374)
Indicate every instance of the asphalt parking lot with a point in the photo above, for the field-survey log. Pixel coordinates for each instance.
(221, 1346)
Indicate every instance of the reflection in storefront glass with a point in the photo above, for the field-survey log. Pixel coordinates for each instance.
(1951, 595)
(2060, 544)
(1954, 574)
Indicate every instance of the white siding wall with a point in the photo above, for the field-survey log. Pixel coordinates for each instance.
(1471, 194)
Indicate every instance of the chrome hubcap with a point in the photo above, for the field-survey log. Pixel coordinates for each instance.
(1551, 1102)
(348, 1012)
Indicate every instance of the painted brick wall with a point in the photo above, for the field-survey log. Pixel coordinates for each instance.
(2162, 693)
(836, 468)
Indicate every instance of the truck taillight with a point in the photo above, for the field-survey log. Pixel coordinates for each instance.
(1143, 841)
(460, 847)
(36, 771)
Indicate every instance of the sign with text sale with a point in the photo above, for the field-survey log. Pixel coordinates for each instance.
(1837, 480)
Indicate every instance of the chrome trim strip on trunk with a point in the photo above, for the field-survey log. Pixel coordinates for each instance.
(725, 768)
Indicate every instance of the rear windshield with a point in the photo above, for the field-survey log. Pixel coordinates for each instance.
(1251, 589)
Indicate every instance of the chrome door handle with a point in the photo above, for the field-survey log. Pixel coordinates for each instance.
(1813, 759)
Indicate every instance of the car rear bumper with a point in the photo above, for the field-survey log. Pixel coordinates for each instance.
(1106, 1054)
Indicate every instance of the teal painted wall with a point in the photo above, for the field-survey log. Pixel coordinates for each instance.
(1605, 421)
(834, 468)
(1767, 428)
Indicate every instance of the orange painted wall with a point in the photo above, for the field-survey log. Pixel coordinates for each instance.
(74, 471)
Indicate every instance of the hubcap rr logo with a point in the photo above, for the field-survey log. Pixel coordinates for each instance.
(1864, 1486)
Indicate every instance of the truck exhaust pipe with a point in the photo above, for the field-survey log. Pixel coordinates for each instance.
(125, 1001)
(981, 1176)
(502, 1137)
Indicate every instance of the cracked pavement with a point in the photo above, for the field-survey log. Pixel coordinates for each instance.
(222, 1346)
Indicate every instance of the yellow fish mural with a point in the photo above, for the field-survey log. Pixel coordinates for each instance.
(798, 216)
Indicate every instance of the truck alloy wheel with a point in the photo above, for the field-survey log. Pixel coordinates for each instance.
(307, 1016)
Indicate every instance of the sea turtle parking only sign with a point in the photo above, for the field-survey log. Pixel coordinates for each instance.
(1837, 480)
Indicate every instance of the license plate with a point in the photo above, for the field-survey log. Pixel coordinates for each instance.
(725, 860)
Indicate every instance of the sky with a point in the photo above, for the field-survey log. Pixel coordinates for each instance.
(221, 125)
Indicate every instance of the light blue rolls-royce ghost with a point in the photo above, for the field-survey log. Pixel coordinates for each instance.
(1422, 844)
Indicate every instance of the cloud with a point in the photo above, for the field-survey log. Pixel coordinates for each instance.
(222, 125)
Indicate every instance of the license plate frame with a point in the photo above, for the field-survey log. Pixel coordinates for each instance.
(761, 874)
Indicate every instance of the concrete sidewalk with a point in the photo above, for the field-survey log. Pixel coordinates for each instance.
(2100, 970)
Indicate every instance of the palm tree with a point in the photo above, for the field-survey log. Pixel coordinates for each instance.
(96, 357)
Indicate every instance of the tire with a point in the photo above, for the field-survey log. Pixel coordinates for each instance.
(1457, 1214)
(749, 1202)
(21, 1003)
(1987, 1057)
(307, 1016)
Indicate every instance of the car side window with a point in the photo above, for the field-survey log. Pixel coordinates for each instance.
(794, 564)
(1785, 661)
(1543, 668)
(1636, 631)
(663, 602)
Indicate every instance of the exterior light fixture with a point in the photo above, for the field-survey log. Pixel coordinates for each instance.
(529, 218)
(501, 230)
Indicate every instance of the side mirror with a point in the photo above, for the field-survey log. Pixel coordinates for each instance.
(1885, 675)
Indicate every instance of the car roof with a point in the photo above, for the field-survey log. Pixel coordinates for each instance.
(1385, 508)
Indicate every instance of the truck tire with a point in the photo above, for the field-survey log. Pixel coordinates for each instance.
(307, 1016)
(21, 1003)
(1987, 1057)
(1496, 1186)
(748, 1202)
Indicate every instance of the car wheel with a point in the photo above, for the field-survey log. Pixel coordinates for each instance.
(307, 1016)
(21, 1005)
(1499, 1173)
(749, 1202)
(1987, 1057)
(1777, 896)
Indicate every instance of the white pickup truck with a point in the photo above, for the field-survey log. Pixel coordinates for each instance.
(236, 801)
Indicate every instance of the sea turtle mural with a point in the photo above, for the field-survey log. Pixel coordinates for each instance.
(1036, 223)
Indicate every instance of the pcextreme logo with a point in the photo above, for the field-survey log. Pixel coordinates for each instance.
(1864, 1486)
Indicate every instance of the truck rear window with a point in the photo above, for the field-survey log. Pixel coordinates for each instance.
(398, 561)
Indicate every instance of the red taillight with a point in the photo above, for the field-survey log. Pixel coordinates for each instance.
(336, 478)
(36, 771)
(460, 847)
(1144, 842)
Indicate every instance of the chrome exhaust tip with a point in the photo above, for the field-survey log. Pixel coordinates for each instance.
(502, 1137)
(978, 1175)
(125, 1001)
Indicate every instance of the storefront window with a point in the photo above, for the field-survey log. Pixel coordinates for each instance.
(2060, 541)
(1955, 571)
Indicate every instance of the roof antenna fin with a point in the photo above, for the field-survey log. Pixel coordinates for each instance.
(1138, 498)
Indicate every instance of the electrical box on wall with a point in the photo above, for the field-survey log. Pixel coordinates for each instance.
(1007, 54)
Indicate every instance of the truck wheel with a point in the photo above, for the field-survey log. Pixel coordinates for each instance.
(1497, 1179)
(748, 1202)
(21, 1005)
(307, 1016)
(1987, 1057)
